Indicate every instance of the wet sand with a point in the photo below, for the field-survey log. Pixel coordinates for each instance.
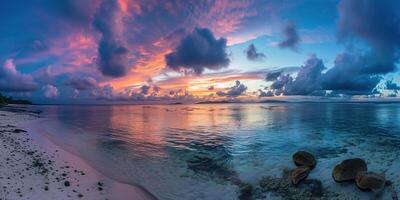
(33, 167)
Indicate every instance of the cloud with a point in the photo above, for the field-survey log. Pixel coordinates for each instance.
(156, 89)
(348, 75)
(12, 80)
(112, 52)
(390, 85)
(291, 37)
(377, 23)
(82, 83)
(354, 72)
(272, 76)
(50, 91)
(253, 55)
(281, 82)
(234, 91)
(307, 80)
(262, 93)
(198, 51)
(105, 92)
(144, 89)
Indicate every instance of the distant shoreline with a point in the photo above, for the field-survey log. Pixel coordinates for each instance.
(217, 102)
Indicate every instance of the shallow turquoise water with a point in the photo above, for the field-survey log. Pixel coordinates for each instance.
(203, 151)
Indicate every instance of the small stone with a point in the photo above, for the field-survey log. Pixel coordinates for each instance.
(370, 181)
(298, 174)
(303, 158)
(348, 169)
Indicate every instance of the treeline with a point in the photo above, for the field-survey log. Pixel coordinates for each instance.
(9, 100)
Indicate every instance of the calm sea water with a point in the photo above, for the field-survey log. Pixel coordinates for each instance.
(203, 151)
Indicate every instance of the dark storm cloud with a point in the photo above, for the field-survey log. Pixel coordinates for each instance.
(281, 82)
(308, 78)
(291, 37)
(198, 51)
(234, 91)
(376, 22)
(307, 81)
(390, 85)
(348, 76)
(272, 76)
(112, 52)
(12, 80)
(253, 55)
(82, 83)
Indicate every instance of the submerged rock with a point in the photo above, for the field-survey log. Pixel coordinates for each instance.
(298, 174)
(370, 181)
(303, 158)
(281, 187)
(246, 192)
(348, 169)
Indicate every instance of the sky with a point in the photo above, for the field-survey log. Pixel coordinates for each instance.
(153, 51)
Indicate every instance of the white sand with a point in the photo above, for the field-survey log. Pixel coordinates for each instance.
(33, 167)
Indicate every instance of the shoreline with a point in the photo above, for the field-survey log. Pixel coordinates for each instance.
(37, 168)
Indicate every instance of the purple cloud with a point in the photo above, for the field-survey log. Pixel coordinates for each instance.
(291, 37)
(82, 83)
(112, 52)
(253, 55)
(198, 51)
(12, 80)
(50, 91)
(144, 89)
(235, 91)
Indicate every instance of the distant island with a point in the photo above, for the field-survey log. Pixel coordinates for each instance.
(214, 102)
(4, 100)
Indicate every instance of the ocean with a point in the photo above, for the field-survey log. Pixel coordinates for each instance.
(181, 152)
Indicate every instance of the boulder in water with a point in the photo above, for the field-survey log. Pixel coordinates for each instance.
(370, 181)
(303, 158)
(348, 169)
(298, 174)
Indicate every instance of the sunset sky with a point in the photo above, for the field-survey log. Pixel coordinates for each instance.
(74, 51)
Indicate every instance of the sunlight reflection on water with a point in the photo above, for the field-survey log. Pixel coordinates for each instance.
(174, 150)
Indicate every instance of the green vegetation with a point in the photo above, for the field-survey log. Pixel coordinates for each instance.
(9, 100)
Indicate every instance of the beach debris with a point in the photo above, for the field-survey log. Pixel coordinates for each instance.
(303, 158)
(299, 174)
(370, 181)
(348, 169)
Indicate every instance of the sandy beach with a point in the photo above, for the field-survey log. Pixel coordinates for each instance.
(35, 168)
